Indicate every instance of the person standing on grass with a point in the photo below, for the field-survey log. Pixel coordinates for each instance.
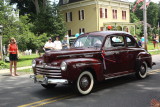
(13, 56)
(154, 41)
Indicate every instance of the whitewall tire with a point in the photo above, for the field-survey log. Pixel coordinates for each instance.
(85, 83)
(142, 71)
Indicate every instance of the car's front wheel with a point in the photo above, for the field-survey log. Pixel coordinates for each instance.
(85, 83)
(142, 71)
(49, 86)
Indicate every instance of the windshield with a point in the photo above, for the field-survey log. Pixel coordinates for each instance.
(89, 41)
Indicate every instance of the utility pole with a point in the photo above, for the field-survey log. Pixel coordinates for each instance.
(145, 24)
(1, 53)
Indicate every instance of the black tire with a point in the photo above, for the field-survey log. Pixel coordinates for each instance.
(49, 86)
(142, 71)
(84, 83)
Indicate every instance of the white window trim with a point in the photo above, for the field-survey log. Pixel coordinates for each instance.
(124, 18)
(68, 16)
(114, 14)
(81, 30)
(81, 14)
(104, 13)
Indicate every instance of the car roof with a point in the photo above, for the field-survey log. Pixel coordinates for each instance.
(105, 33)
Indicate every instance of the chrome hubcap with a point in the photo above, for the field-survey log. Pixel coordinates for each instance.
(84, 82)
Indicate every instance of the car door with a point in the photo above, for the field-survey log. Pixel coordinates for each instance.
(132, 52)
(114, 54)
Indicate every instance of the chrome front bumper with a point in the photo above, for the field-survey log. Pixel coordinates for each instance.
(49, 80)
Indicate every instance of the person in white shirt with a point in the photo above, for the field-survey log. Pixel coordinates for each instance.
(49, 45)
(57, 44)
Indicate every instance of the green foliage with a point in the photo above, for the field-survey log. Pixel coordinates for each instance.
(49, 22)
(152, 18)
(152, 14)
(31, 30)
(3, 65)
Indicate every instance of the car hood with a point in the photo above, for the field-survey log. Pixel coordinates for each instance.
(49, 56)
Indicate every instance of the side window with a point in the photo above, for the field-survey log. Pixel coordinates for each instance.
(117, 41)
(130, 42)
(97, 42)
(107, 43)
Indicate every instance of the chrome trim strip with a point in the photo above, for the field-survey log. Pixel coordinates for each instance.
(47, 67)
(39, 69)
(51, 75)
(118, 76)
(85, 64)
(46, 73)
(78, 54)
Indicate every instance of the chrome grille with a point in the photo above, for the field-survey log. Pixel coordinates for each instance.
(49, 72)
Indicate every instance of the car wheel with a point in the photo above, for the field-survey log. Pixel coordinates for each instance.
(49, 86)
(85, 83)
(142, 71)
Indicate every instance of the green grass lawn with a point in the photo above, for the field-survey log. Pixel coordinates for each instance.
(24, 60)
(151, 47)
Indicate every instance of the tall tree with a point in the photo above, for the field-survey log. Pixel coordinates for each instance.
(152, 14)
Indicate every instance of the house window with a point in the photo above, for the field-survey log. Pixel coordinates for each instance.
(81, 14)
(81, 30)
(69, 33)
(124, 15)
(103, 13)
(68, 16)
(114, 12)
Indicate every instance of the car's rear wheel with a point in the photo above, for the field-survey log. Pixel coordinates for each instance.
(142, 71)
(85, 83)
(49, 86)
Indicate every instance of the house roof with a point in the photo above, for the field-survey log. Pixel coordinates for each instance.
(72, 1)
(69, 1)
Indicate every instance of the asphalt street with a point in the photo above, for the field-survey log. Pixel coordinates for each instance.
(122, 92)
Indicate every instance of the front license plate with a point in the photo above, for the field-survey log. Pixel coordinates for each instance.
(40, 77)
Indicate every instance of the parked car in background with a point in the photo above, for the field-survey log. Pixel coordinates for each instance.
(95, 56)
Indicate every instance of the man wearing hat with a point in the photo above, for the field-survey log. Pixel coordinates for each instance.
(49, 45)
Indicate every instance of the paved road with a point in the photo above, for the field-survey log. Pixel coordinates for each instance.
(122, 92)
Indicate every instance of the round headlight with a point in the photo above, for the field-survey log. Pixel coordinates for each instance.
(33, 63)
(63, 66)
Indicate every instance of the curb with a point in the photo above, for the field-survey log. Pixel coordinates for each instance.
(19, 68)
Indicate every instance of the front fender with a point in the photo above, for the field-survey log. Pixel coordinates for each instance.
(78, 65)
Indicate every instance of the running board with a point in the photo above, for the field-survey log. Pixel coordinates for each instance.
(118, 76)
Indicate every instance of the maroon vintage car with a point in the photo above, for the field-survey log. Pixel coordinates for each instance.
(94, 56)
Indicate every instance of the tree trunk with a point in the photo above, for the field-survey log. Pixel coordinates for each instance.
(44, 5)
(37, 6)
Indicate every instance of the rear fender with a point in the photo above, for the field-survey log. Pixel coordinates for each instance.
(144, 56)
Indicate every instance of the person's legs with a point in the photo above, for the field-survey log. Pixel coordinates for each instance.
(154, 44)
(11, 63)
(15, 68)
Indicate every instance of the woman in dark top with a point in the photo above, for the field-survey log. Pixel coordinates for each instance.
(154, 41)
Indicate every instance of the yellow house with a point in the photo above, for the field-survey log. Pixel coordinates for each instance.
(83, 16)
